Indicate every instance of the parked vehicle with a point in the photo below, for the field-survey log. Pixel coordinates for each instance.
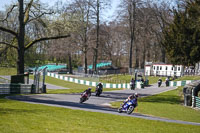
(128, 107)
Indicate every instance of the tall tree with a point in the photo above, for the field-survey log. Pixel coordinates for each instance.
(182, 37)
(163, 17)
(100, 4)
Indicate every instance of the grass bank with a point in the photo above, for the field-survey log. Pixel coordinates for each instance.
(18, 117)
(168, 105)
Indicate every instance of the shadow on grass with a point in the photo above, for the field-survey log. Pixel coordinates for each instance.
(170, 99)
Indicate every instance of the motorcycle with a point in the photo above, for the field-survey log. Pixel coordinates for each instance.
(84, 97)
(128, 107)
(98, 91)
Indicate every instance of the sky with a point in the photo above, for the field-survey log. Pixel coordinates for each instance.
(108, 15)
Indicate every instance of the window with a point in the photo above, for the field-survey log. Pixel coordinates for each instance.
(172, 68)
(179, 68)
(157, 67)
(154, 68)
(160, 67)
(166, 68)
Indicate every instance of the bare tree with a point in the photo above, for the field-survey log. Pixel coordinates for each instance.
(128, 12)
(25, 17)
(163, 18)
(83, 10)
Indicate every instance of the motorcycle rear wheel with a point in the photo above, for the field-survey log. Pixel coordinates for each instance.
(81, 100)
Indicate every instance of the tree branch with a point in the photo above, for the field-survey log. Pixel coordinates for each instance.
(9, 31)
(39, 16)
(44, 39)
(7, 15)
(8, 44)
(26, 14)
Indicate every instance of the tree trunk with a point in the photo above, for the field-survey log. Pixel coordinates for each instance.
(20, 61)
(144, 57)
(131, 53)
(85, 62)
(132, 11)
(136, 57)
(163, 54)
(70, 63)
(97, 41)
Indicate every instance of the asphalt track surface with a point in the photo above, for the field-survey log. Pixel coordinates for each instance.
(98, 104)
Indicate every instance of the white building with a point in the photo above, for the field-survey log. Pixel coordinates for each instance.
(164, 70)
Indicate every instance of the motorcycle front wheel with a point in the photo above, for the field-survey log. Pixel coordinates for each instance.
(130, 110)
(119, 110)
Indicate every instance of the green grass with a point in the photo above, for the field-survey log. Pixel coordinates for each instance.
(153, 80)
(117, 78)
(19, 117)
(8, 71)
(188, 78)
(166, 105)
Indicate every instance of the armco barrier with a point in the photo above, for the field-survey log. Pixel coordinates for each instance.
(16, 89)
(196, 102)
(109, 85)
(180, 83)
(89, 83)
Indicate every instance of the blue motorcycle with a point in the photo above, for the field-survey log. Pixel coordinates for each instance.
(128, 107)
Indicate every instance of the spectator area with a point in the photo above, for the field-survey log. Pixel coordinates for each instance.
(49, 67)
(99, 65)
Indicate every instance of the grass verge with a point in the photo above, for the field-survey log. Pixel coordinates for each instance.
(168, 105)
(8, 71)
(73, 87)
(188, 78)
(18, 117)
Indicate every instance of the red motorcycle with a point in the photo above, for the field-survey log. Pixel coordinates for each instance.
(84, 97)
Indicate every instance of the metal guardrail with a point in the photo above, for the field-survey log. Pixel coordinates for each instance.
(3, 80)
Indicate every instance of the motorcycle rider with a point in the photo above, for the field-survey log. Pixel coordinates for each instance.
(131, 97)
(159, 82)
(100, 86)
(132, 84)
(142, 83)
(88, 91)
